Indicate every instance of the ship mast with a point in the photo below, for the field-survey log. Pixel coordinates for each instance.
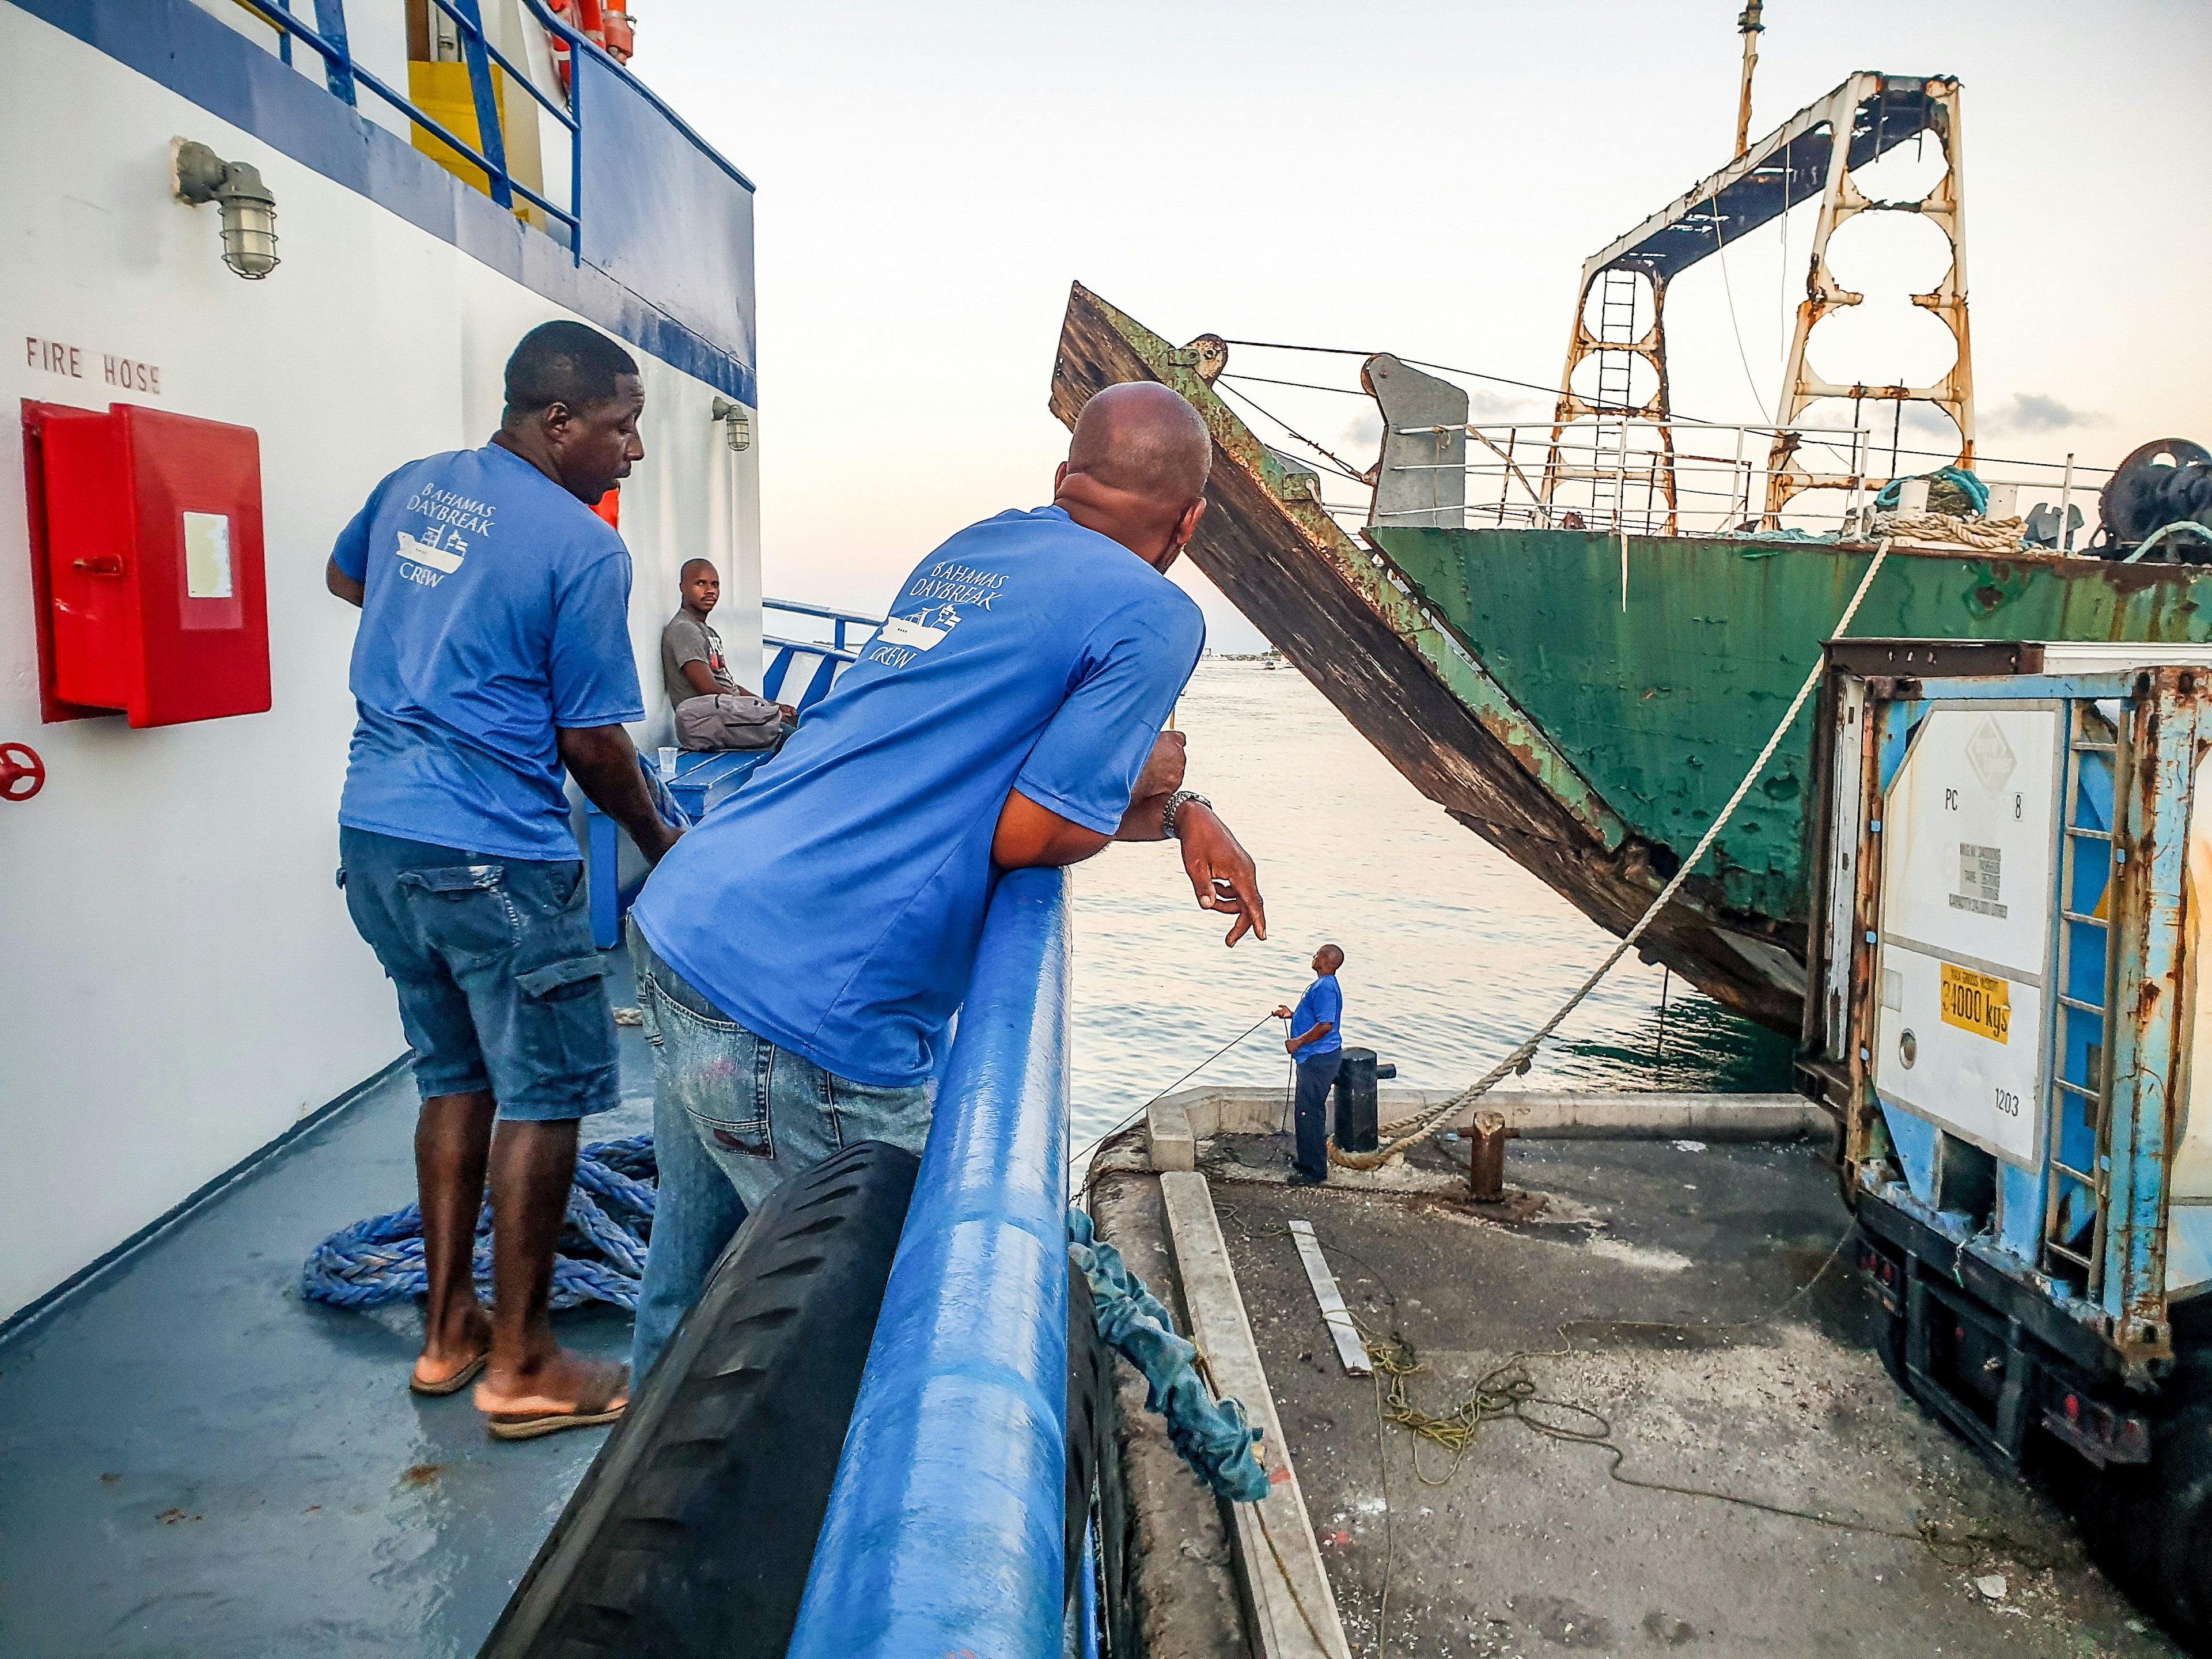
(1751, 28)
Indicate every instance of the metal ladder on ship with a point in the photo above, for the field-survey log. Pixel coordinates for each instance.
(2059, 1257)
(1616, 328)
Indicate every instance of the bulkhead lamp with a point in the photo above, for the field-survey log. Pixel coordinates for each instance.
(736, 423)
(249, 211)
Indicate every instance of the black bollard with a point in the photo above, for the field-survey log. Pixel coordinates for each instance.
(1355, 1102)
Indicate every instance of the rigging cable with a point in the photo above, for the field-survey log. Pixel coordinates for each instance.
(1720, 247)
(1342, 466)
(1673, 418)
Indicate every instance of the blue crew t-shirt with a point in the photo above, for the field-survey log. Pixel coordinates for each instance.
(1323, 1002)
(834, 904)
(496, 609)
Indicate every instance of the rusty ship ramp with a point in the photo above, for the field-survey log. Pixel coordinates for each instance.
(1363, 636)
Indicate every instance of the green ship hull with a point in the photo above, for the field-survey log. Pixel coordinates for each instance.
(1663, 705)
(1593, 742)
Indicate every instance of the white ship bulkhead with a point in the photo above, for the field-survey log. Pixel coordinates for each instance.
(179, 983)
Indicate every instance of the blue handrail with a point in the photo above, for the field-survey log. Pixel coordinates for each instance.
(342, 74)
(944, 1533)
(328, 38)
(840, 619)
(812, 647)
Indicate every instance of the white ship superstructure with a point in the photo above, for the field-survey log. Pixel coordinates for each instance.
(180, 984)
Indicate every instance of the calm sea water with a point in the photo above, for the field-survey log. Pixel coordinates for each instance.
(1453, 953)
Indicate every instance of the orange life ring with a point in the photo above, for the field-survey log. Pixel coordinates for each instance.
(606, 23)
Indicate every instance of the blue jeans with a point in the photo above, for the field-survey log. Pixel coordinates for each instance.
(1316, 1077)
(499, 986)
(734, 1117)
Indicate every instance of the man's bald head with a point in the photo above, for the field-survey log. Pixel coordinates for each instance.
(690, 566)
(1143, 438)
(1136, 471)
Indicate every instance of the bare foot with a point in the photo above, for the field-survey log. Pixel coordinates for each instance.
(561, 1384)
(447, 1355)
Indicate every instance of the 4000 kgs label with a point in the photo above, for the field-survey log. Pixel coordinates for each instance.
(1980, 1003)
(1961, 1046)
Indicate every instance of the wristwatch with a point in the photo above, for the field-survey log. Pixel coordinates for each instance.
(1176, 803)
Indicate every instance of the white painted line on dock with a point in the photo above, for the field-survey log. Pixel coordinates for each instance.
(1293, 1610)
(1349, 1348)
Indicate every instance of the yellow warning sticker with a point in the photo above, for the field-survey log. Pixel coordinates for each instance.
(1980, 1003)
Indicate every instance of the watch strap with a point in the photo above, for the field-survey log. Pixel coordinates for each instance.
(1176, 802)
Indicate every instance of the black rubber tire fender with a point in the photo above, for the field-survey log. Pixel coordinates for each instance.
(693, 1531)
(1089, 1425)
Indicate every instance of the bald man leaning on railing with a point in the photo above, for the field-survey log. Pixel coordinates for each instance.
(801, 954)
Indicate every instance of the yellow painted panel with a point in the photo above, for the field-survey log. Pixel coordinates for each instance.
(1980, 1003)
(442, 91)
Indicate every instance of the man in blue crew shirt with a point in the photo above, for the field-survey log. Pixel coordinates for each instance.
(494, 651)
(801, 954)
(1316, 1043)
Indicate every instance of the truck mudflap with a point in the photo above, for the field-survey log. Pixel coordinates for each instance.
(1990, 1356)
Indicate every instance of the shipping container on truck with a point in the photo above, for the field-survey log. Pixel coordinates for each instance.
(2013, 843)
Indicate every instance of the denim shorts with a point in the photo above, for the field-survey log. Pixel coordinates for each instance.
(500, 986)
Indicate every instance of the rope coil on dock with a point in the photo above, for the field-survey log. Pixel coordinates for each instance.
(1519, 1058)
(603, 1241)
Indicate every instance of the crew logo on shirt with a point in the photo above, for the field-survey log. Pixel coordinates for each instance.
(430, 558)
(900, 637)
(951, 585)
(954, 583)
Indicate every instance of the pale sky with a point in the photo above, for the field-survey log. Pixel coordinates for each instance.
(1420, 178)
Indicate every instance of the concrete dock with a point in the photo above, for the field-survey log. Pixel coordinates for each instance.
(1683, 1298)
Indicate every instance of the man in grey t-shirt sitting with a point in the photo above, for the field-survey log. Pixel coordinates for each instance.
(692, 661)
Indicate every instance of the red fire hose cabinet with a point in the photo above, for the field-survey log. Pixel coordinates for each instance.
(154, 587)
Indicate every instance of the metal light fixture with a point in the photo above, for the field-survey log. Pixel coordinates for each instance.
(249, 211)
(736, 422)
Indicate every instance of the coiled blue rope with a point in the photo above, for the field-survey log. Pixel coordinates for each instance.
(603, 1240)
(1976, 492)
(602, 1259)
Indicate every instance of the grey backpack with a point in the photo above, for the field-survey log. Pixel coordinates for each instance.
(728, 721)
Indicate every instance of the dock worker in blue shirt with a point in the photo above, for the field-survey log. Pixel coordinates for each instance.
(494, 651)
(801, 954)
(1316, 1043)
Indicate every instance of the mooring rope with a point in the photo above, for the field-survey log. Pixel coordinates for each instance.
(1097, 1141)
(1517, 1060)
(603, 1241)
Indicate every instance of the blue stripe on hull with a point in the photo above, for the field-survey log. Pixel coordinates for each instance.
(656, 190)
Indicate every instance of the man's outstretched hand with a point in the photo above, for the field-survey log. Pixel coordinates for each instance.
(1220, 871)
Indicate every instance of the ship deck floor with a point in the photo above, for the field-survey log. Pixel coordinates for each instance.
(194, 1461)
(1529, 1548)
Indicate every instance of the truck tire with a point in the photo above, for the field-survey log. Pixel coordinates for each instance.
(2177, 1549)
(694, 1529)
